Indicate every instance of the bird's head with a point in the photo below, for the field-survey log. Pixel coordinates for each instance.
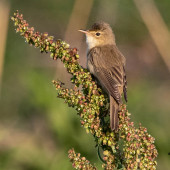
(99, 35)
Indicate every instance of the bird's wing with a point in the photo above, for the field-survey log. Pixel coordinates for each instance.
(125, 85)
(108, 70)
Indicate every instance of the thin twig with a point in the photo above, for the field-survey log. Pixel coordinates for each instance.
(156, 26)
(4, 18)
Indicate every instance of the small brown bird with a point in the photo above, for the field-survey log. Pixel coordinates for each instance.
(107, 64)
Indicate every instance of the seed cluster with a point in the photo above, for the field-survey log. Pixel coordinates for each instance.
(131, 148)
(79, 162)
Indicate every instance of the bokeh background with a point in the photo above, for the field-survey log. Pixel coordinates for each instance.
(36, 128)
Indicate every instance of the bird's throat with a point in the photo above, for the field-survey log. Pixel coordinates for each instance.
(91, 42)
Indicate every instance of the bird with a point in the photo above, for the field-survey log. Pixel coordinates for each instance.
(107, 64)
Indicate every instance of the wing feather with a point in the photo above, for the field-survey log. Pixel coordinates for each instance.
(108, 66)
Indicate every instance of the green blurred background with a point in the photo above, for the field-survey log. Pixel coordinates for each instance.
(36, 128)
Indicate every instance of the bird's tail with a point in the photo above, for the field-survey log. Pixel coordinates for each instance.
(114, 120)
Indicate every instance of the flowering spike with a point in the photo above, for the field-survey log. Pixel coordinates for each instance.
(138, 150)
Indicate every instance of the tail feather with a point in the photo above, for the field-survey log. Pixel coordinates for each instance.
(114, 120)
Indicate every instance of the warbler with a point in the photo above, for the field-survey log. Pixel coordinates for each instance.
(107, 64)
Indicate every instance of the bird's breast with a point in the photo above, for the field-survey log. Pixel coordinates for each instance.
(90, 66)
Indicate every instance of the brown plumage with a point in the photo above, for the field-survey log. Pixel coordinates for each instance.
(106, 63)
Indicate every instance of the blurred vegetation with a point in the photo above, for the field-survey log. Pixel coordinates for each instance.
(36, 128)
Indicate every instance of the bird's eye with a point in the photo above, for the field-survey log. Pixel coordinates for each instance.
(98, 34)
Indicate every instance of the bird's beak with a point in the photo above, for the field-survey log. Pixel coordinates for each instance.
(84, 31)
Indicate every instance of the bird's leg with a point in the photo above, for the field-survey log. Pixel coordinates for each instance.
(106, 110)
